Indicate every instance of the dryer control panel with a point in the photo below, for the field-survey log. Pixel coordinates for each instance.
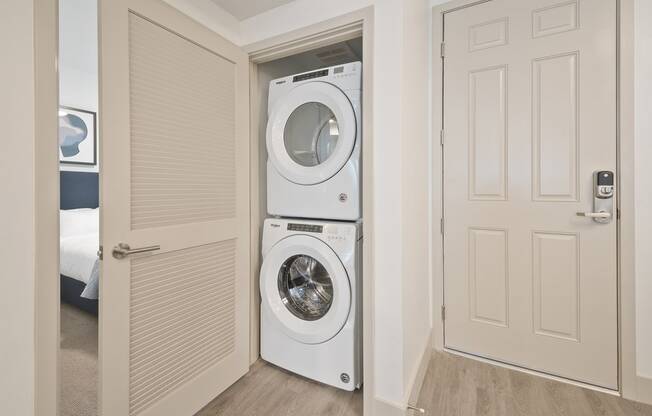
(310, 75)
(308, 228)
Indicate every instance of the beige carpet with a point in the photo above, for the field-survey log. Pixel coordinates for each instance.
(78, 361)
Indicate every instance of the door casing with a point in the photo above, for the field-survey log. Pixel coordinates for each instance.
(631, 385)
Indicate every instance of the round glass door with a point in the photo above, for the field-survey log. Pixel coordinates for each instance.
(305, 287)
(311, 134)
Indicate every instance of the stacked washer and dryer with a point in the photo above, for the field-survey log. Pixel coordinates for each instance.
(311, 277)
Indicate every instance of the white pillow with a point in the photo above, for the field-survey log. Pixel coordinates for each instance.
(79, 221)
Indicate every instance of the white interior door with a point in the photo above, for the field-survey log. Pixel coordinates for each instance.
(174, 322)
(529, 115)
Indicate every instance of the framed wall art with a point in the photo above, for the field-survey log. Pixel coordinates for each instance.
(77, 136)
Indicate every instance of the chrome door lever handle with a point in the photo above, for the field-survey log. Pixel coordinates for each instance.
(416, 409)
(600, 215)
(123, 250)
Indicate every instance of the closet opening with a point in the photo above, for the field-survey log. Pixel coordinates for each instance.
(311, 130)
(79, 207)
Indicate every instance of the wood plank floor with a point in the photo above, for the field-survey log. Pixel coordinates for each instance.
(269, 391)
(458, 386)
(453, 386)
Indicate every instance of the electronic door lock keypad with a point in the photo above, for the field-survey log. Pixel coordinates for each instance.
(604, 184)
(603, 201)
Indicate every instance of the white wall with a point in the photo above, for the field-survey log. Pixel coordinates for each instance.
(78, 60)
(212, 16)
(388, 248)
(78, 79)
(643, 175)
(415, 140)
(17, 237)
(299, 13)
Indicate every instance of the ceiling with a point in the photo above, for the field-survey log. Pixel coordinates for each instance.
(243, 9)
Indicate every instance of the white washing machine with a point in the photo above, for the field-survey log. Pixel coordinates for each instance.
(314, 144)
(311, 291)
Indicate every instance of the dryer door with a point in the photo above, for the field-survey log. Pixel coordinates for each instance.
(311, 133)
(305, 289)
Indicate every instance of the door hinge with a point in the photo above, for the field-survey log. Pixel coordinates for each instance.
(443, 50)
(441, 226)
(441, 137)
(443, 313)
(617, 213)
(100, 253)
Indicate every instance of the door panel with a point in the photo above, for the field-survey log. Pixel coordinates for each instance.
(174, 323)
(556, 278)
(488, 133)
(555, 128)
(529, 115)
(182, 99)
(488, 279)
(182, 318)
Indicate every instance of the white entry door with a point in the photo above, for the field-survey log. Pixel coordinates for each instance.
(529, 116)
(174, 319)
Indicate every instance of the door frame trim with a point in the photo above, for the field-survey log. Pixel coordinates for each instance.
(46, 207)
(359, 23)
(632, 385)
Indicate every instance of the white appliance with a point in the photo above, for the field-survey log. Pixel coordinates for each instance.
(313, 144)
(311, 291)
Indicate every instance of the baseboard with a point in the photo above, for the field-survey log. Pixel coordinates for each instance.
(417, 381)
(385, 408)
(638, 389)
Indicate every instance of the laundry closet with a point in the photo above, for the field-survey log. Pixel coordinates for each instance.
(307, 227)
(206, 212)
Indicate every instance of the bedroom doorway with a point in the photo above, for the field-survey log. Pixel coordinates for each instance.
(79, 207)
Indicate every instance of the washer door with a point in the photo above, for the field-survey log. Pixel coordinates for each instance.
(311, 133)
(305, 289)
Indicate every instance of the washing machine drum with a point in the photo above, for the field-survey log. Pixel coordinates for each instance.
(311, 133)
(305, 289)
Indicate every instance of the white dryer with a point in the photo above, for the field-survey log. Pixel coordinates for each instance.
(310, 286)
(314, 144)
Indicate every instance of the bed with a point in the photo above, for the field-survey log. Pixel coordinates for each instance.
(79, 239)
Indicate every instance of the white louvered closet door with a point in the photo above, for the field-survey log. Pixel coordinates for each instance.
(174, 322)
